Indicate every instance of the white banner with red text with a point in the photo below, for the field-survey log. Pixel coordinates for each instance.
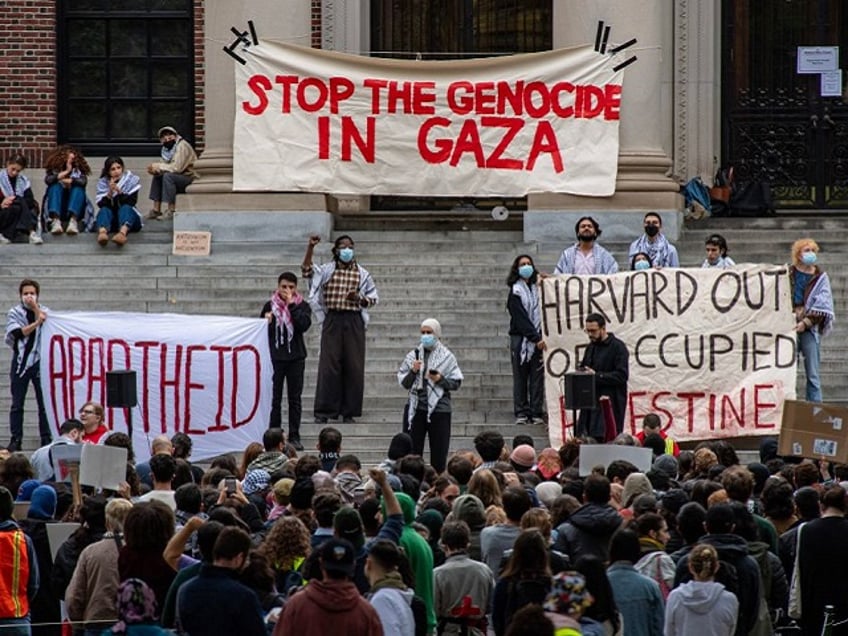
(207, 376)
(712, 352)
(321, 121)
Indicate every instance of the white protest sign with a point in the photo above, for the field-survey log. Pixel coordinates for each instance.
(64, 456)
(103, 466)
(712, 352)
(592, 455)
(323, 121)
(207, 376)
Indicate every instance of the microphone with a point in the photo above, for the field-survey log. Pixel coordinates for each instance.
(416, 353)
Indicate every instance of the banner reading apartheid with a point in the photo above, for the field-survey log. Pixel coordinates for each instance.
(207, 376)
(322, 121)
(712, 352)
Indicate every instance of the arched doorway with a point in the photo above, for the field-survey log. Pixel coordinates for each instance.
(777, 126)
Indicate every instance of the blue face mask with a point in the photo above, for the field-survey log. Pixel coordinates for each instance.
(640, 265)
(809, 258)
(346, 254)
(428, 340)
(526, 271)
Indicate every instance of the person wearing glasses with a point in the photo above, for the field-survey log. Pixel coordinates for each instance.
(92, 415)
(608, 360)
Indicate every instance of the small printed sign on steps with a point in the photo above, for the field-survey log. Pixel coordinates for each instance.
(192, 243)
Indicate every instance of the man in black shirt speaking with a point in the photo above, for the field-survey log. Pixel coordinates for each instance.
(608, 359)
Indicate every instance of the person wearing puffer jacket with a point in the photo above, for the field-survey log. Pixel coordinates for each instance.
(701, 606)
(470, 509)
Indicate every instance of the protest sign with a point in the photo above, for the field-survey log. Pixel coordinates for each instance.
(103, 466)
(207, 376)
(592, 455)
(712, 352)
(323, 121)
(64, 456)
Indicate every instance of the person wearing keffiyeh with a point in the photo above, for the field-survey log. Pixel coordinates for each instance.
(430, 372)
(654, 243)
(117, 194)
(18, 209)
(288, 318)
(812, 302)
(525, 342)
(173, 174)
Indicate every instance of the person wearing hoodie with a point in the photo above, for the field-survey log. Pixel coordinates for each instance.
(331, 604)
(420, 558)
(389, 594)
(702, 605)
(733, 549)
(588, 530)
(463, 587)
(19, 579)
(44, 608)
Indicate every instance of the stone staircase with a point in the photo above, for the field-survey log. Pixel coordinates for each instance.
(452, 269)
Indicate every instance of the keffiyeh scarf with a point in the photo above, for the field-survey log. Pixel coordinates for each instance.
(657, 250)
(21, 185)
(280, 310)
(530, 302)
(440, 359)
(127, 184)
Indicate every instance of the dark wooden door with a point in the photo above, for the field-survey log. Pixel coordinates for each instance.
(776, 126)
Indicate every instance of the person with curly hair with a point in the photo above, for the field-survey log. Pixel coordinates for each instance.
(117, 195)
(286, 547)
(65, 201)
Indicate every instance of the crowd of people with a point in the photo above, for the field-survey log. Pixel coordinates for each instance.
(507, 539)
(66, 208)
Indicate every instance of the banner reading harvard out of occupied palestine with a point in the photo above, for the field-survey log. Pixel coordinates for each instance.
(207, 376)
(321, 121)
(712, 352)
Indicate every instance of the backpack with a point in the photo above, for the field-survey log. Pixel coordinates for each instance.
(696, 196)
(419, 613)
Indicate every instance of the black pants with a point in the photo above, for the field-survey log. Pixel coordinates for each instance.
(528, 382)
(19, 386)
(341, 366)
(439, 429)
(16, 218)
(290, 373)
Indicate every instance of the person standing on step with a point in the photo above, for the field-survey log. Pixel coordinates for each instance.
(430, 372)
(288, 318)
(340, 293)
(654, 243)
(525, 342)
(23, 335)
(65, 201)
(586, 256)
(812, 301)
(117, 195)
(173, 174)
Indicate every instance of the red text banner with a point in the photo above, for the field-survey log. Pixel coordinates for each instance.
(712, 352)
(207, 376)
(321, 121)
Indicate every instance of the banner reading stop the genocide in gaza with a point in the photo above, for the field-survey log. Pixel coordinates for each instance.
(712, 352)
(321, 121)
(207, 376)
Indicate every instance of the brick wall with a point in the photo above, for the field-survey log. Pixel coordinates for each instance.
(28, 68)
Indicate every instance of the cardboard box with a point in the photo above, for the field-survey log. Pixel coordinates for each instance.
(814, 431)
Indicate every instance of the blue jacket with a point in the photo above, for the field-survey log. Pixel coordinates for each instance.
(638, 599)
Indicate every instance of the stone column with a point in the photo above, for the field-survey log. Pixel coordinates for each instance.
(645, 152)
(211, 195)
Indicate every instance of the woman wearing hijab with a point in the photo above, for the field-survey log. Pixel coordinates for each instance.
(430, 372)
(525, 342)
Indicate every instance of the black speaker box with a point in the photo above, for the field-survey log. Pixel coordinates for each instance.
(120, 388)
(580, 390)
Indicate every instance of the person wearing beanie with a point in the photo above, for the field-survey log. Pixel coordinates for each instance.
(430, 373)
(19, 575)
(44, 607)
(172, 175)
(470, 509)
(26, 489)
(523, 458)
(565, 604)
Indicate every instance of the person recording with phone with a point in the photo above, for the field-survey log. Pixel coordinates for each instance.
(429, 372)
